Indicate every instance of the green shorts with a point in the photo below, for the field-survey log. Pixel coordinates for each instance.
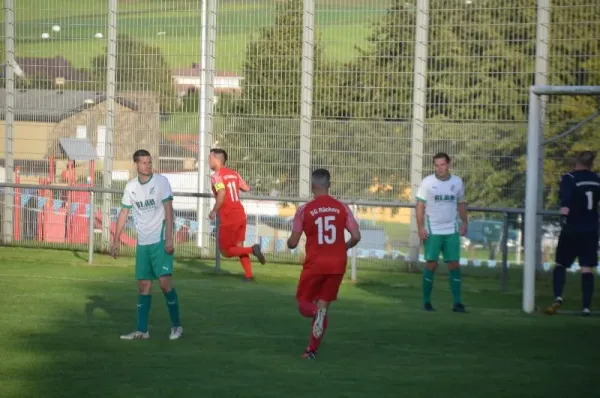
(448, 245)
(152, 261)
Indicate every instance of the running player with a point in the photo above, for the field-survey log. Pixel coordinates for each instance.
(438, 198)
(226, 186)
(324, 221)
(150, 199)
(579, 197)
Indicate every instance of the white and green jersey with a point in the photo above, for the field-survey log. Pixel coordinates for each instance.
(146, 200)
(441, 198)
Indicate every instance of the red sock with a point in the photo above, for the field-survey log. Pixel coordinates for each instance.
(307, 309)
(238, 251)
(314, 343)
(247, 265)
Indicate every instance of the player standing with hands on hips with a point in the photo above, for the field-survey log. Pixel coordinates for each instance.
(226, 186)
(579, 197)
(324, 221)
(150, 198)
(440, 203)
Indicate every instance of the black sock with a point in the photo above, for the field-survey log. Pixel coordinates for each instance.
(587, 288)
(558, 280)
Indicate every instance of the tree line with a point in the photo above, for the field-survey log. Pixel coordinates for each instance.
(480, 63)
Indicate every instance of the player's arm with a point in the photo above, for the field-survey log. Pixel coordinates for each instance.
(565, 194)
(244, 187)
(167, 199)
(219, 187)
(297, 228)
(462, 211)
(420, 211)
(126, 205)
(352, 227)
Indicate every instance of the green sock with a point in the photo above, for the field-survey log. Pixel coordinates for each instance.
(427, 285)
(143, 312)
(455, 281)
(173, 306)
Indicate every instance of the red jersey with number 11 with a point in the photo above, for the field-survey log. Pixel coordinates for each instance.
(324, 221)
(230, 181)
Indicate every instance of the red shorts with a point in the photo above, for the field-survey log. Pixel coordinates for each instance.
(314, 286)
(232, 233)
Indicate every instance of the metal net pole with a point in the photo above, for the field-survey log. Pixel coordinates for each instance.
(111, 90)
(9, 42)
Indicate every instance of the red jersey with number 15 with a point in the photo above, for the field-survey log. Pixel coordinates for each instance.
(230, 181)
(324, 221)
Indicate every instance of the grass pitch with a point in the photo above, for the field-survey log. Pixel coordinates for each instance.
(61, 320)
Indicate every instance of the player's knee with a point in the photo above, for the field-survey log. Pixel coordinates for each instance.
(587, 270)
(165, 283)
(431, 265)
(145, 286)
(452, 265)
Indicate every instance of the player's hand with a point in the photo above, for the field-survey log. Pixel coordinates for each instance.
(463, 229)
(169, 248)
(212, 215)
(423, 235)
(114, 250)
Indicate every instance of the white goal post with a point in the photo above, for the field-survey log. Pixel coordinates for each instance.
(535, 134)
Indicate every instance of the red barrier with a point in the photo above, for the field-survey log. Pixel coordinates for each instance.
(124, 238)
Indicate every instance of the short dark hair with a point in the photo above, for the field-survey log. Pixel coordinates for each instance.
(585, 159)
(220, 152)
(321, 177)
(140, 153)
(441, 155)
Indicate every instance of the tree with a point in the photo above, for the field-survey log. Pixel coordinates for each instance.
(480, 66)
(139, 67)
(264, 137)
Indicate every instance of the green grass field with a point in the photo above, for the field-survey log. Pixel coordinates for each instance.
(61, 319)
(341, 25)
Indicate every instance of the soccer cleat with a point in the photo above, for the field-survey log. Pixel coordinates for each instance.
(137, 335)
(256, 250)
(555, 306)
(459, 308)
(586, 312)
(309, 355)
(248, 279)
(176, 333)
(428, 307)
(318, 324)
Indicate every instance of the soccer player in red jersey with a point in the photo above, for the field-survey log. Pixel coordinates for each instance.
(226, 186)
(324, 221)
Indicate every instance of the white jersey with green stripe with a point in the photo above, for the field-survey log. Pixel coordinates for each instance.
(146, 201)
(441, 198)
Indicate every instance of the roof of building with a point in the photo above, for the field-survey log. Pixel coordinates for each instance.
(195, 71)
(51, 68)
(78, 148)
(52, 106)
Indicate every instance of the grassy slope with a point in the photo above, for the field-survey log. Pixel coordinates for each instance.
(342, 26)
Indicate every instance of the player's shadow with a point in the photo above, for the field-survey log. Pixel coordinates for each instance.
(206, 268)
(99, 303)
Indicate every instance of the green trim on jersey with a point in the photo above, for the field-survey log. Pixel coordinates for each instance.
(124, 206)
(144, 183)
(421, 200)
(443, 179)
(167, 199)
